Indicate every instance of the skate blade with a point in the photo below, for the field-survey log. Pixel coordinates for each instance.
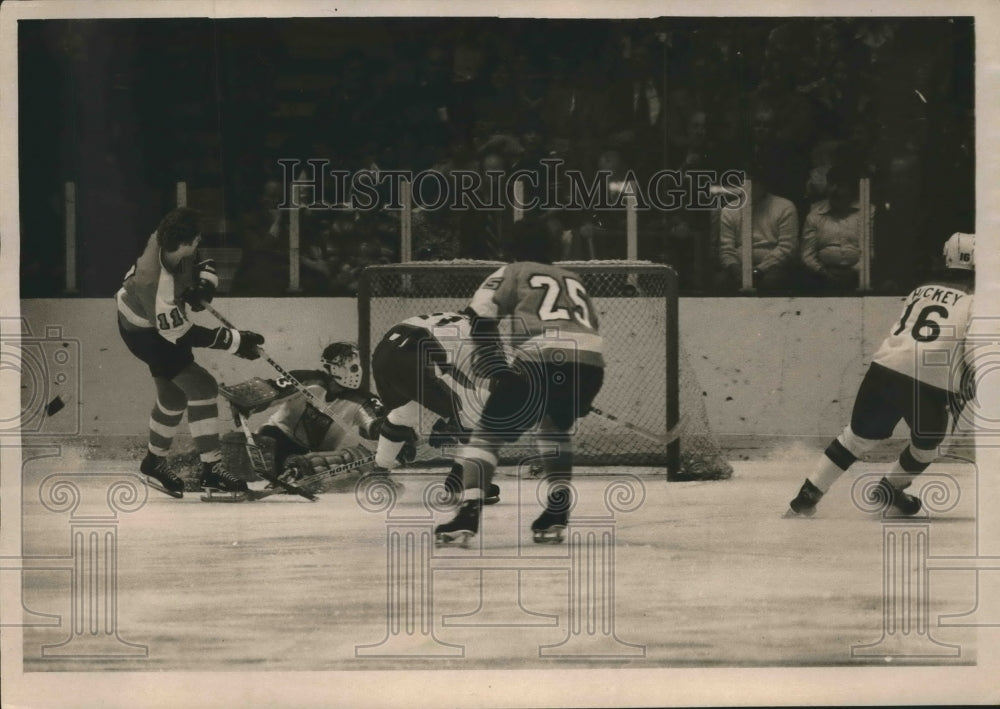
(213, 495)
(552, 535)
(254, 495)
(898, 515)
(448, 539)
(165, 491)
(792, 514)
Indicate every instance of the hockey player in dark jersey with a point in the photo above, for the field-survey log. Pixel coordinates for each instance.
(421, 365)
(903, 383)
(153, 323)
(556, 372)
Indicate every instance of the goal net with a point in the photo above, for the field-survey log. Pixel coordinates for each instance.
(649, 411)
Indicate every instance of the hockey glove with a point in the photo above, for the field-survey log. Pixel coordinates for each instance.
(249, 343)
(447, 432)
(204, 290)
(372, 415)
(242, 343)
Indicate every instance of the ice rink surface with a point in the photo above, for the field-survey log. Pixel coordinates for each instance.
(701, 574)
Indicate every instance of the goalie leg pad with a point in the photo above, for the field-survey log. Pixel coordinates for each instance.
(317, 463)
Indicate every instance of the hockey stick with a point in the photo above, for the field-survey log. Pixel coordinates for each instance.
(661, 438)
(259, 464)
(296, 384)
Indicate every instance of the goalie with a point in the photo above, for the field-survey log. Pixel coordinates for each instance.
(351, 416)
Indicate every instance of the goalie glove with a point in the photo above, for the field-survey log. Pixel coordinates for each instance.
(204, 290)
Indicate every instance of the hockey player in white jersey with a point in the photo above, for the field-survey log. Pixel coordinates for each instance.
(903, 382)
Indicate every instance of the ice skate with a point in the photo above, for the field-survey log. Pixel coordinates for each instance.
(899, 501)
(220, 485)
(159, 476)
(804, 504)
(462, 528)
(549, 527)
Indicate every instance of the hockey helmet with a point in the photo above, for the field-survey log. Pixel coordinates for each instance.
(342, 361)
(960, 251)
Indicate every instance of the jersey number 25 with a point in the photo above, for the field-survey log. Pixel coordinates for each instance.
(548, 310)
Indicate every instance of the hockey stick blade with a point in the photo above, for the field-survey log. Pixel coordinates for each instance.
(259, 464)
(661, 438)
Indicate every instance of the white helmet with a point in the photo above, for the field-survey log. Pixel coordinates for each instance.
(960, 251)
(342, 361)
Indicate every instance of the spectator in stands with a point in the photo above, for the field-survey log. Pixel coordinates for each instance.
(696, 155)
(831, 236)
(603, 231)
(636, 109)
(483, 233)
(567, 106)
(530, 158)
(775, 234)
(264, 235)
(783, 143)
(435, 237)
(379, 233)
(315, 271)
(322, 251)
(822, 158)
(497, 108)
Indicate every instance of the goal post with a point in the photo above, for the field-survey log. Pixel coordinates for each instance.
(648, 412)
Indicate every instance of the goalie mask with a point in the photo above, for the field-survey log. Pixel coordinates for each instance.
(960, 252)
(342, 361)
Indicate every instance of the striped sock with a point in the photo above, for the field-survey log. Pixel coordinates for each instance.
(163, 423)
(203, 420)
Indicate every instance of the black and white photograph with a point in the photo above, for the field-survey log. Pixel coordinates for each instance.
(503, 354)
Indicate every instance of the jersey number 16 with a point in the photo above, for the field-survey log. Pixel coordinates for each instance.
(924, 328)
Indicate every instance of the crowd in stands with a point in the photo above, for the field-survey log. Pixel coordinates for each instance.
(807, 107)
